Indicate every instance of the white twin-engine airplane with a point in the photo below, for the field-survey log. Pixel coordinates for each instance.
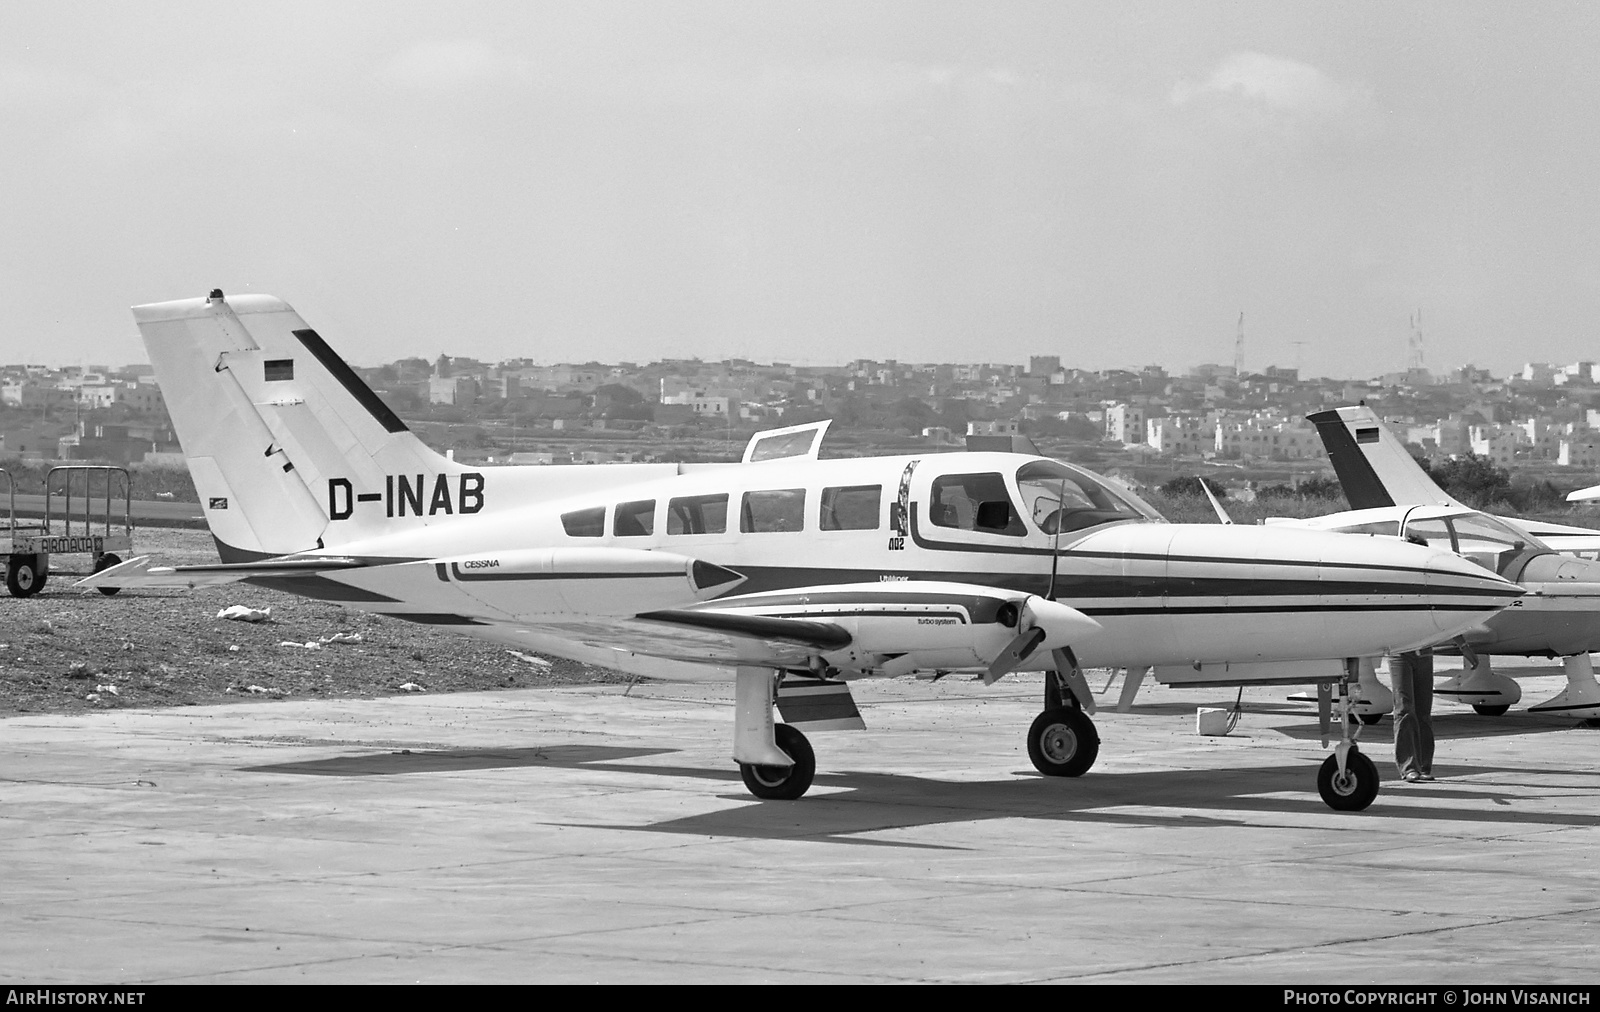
(781, 565)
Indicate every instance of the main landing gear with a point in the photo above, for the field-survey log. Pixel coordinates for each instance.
(775, 760)
(777, 763)
(783, 783)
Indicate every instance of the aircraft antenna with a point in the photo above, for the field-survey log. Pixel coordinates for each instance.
(1055, 540)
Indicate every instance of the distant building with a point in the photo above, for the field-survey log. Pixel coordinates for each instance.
(1125, 423)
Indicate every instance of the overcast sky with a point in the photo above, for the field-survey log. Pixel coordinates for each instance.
(1112, 182)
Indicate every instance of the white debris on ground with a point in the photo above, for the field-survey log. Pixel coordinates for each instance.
(255, 690)
(310, 645)
(107, 688)
(412, 687)
(538, 662)
(342, 637)
(93, 697)
(164, 495)
(242, 613)
(78, 669)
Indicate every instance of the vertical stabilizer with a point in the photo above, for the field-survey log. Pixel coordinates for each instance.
(278, 430)
(1373, 465)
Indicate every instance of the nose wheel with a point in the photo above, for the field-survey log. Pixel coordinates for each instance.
(1351, 790)
(1347, 781)
(1063, 742)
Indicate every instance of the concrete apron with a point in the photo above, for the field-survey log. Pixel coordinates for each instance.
(579, 835)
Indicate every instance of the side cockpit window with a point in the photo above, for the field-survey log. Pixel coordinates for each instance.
(974, 502)
(698, 514)
(851, 508)
(589, 523)
(1059, 498)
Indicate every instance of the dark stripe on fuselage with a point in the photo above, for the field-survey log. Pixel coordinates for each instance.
(1362, 487)
(1071, 588)
(1228, 608)
(491, 575)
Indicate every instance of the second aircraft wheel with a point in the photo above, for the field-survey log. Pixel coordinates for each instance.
(783, 783)
(1355, 790)
(1491, 709)
(1063, 742)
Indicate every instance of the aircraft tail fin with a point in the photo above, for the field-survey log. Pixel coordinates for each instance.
(1374, 467)
(279, 431)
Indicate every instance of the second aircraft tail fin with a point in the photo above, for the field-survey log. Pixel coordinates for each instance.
(1374, 467)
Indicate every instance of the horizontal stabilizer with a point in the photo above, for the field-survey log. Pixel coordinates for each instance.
(140, 572)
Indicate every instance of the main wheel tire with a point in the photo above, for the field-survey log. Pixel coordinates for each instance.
(783, 783)
(24, 575)
(106, 561)
(1491, 709)
(1370, 718)
(1063, 742)
(1355, 790)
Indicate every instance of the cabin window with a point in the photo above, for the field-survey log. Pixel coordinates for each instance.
(635, 519)
(698, 514)
(589, 523)
(974, 502)
(782, 509)
(852, 508)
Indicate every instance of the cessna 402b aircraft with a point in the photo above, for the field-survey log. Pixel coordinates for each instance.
(782, 564)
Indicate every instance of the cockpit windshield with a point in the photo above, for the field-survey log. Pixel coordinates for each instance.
(1062, 498)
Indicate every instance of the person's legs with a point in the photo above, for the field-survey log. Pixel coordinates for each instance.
(1407, 740)
(1422, 699)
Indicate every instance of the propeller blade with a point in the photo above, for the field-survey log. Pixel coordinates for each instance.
(1017, 651)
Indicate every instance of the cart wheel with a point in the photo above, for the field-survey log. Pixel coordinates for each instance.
(106, 561)
(25, 575)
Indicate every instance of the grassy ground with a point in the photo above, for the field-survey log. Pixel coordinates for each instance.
(64, 650)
